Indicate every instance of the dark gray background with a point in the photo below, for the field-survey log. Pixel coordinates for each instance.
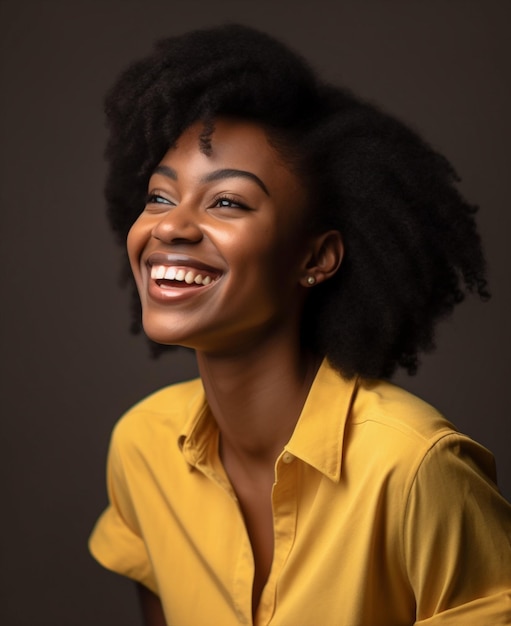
(69, 366)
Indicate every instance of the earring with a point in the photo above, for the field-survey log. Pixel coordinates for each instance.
(311, 280)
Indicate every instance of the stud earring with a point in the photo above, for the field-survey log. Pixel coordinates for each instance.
(311, 280)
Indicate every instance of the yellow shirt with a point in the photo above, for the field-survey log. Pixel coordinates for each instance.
(383, 515)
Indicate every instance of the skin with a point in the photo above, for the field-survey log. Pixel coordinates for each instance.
(249, 231)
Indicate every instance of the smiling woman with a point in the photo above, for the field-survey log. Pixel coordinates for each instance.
(305, 245)
(228, 231)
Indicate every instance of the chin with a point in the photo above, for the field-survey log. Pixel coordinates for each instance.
(160, 333)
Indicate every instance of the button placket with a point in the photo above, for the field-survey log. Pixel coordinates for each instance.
(288, 458)
(284, 507)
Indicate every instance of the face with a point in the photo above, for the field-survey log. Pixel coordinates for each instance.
(218, 252)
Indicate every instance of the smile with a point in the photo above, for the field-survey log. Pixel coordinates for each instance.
(187, 275)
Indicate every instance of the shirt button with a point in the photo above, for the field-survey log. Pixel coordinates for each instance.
(287, 457)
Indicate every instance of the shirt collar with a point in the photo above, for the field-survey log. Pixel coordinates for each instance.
(319, 433)
(317, 438)
(198, 428)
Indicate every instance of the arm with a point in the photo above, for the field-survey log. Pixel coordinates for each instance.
(152, 611)
(458, 538)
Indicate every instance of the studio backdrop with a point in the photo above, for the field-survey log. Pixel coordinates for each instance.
(70, 367)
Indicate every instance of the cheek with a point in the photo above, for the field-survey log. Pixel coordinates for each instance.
(137, 238)
(135, 242)
(269, 248)
(255, 252)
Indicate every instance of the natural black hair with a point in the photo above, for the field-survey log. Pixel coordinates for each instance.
(412, 248)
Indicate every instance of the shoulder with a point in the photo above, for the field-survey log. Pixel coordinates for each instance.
(162, 413)
(400, 433)
(393, 412)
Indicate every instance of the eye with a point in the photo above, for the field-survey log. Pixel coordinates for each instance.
(226, 202)
(154, 198)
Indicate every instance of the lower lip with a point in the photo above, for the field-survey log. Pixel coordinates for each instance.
(174, 294)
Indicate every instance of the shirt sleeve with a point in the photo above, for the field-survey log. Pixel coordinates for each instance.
(457, 538)
(116, 541)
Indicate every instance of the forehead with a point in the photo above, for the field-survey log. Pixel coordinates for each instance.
(235, 144)
(229, 137)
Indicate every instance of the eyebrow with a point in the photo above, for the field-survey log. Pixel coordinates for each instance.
(165, 170)
(169, 172)
(229, 173)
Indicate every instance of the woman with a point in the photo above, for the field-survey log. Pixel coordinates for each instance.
(304, 244)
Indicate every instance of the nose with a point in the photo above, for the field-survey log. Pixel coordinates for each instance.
(178, 225)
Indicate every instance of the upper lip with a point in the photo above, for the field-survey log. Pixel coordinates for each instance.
(162, 258)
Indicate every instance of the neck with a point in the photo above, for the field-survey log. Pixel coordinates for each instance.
(256, 397)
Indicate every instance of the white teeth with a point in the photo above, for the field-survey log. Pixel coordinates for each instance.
(154, 271)
(159, 272)
(170, 273)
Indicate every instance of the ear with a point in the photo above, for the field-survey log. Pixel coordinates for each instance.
(324, 259)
